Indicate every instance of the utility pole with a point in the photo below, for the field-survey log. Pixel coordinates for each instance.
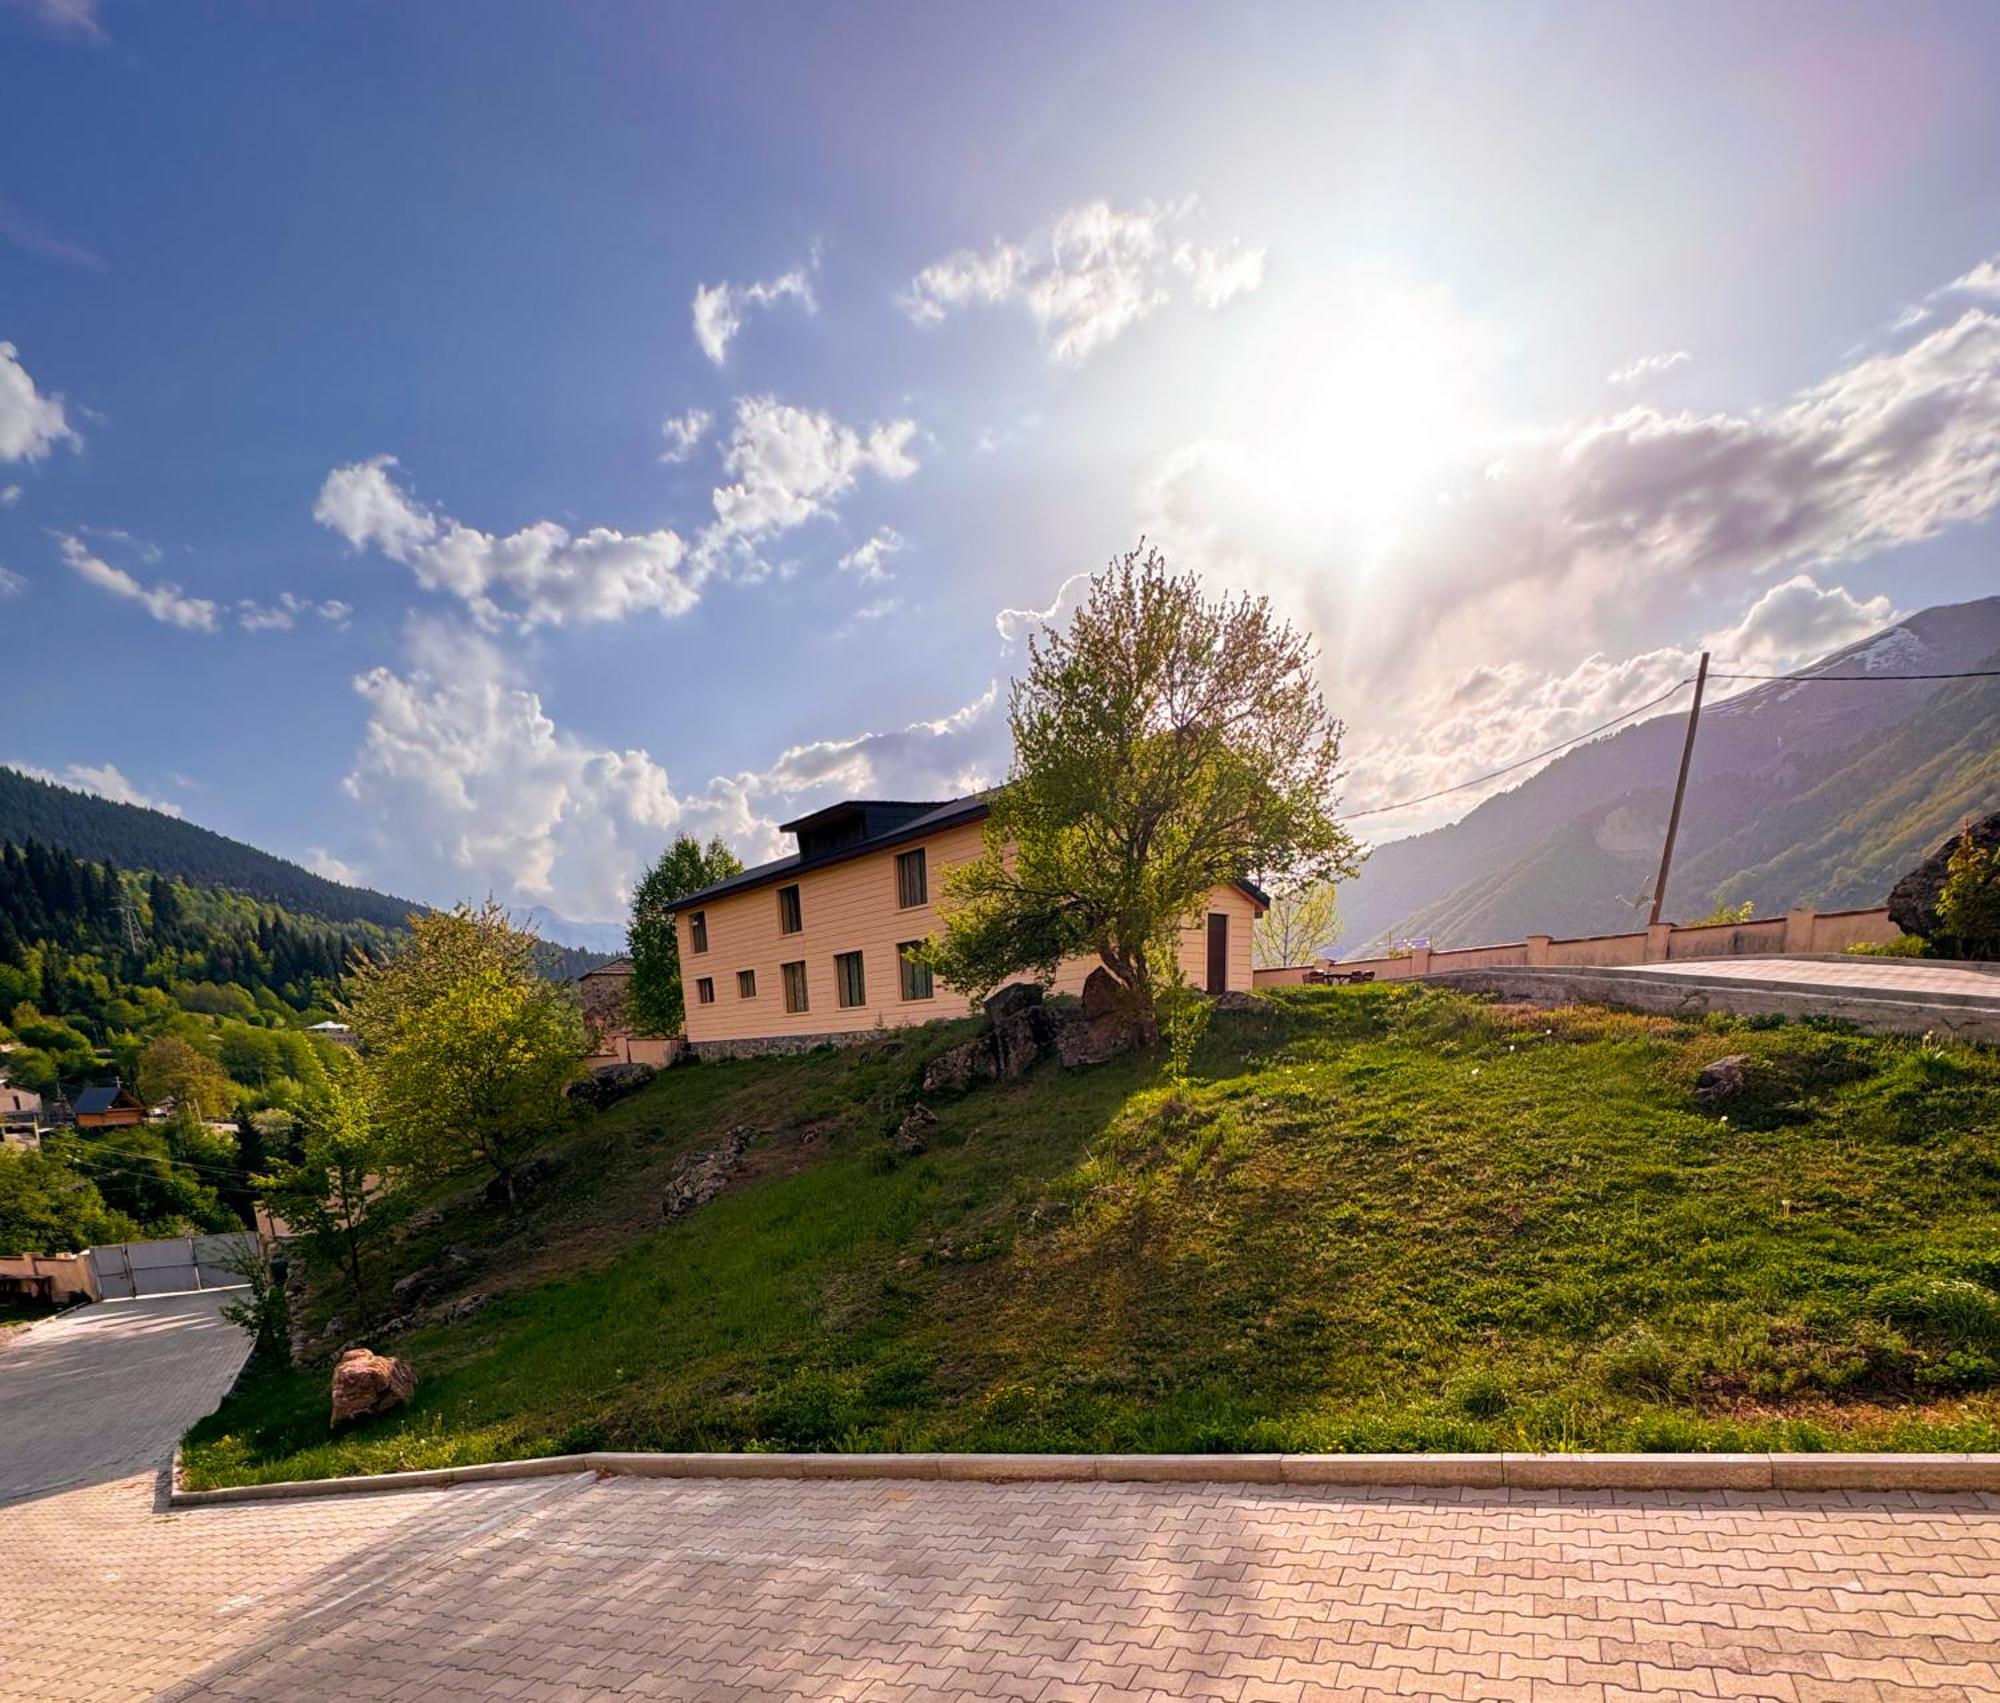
(1680, 792)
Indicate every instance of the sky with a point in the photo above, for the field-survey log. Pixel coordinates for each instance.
(461, 446)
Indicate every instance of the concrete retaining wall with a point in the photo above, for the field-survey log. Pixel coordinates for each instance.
(1795, 933)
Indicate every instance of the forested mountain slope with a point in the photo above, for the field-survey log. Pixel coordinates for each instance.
(1816, 793)
(136, 838)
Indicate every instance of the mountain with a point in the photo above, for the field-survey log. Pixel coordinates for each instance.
(136, 838)
(1800, 792)
(596, 937)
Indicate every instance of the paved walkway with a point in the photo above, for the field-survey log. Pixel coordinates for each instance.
(1859, 974)
(625, 1588)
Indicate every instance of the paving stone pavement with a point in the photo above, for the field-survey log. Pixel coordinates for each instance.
(1865, 974)
(626, 1587)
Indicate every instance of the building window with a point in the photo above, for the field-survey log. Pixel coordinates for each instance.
(795, 985)
(850, 988)
(704, 990)
(916, 974)
(791, 918)
(912, 884)
(698, 931)
(746, 984)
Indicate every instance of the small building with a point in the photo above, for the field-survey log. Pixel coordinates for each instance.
(605, 994)
(112, 1107)
(341, 1034)
(819, 946)
(21, 1116)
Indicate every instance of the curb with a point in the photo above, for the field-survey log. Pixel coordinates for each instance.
(1864, 1472)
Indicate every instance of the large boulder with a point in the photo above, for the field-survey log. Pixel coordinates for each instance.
(1102, 1029)
(1913, 901)
(1722, 1080)
(366, 1383)
(1017, 1036)
(610, 1084)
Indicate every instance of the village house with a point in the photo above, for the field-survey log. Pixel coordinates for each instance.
(605, 993)
(817, 946)
(112, 1107)
(21, 1116)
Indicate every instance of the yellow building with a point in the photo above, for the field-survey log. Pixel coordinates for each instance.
(815, 947)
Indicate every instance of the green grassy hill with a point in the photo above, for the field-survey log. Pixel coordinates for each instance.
(1378, 1218)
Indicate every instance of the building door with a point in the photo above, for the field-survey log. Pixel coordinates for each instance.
(1218, 952)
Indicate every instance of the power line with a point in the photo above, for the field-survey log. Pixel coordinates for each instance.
(1866, 679)
(1481, 780)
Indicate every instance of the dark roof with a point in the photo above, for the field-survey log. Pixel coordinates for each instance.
(101, 1099)
(928, 819)
(610, 967)
(912, 821)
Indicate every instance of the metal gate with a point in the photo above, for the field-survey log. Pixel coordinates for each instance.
(125, 1270)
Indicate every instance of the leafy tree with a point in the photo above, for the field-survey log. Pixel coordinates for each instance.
(173, 1069)
(48, 1207)
(1968, 907)
(1300, 922)
(136, 1172)
(324, 1195)
(686, 866)
(1164, 743)
(468, 1050)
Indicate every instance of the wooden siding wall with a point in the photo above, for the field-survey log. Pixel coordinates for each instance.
(851, 907)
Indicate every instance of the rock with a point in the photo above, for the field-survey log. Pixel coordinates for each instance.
(611, 1083)
(366, 1383)
(958, 1068)
(912, 1134)
(527, 1179)
(1237, 999)
(1102, 1029)
(702, 1176)
(412, 1287)
(1913, 901)
(465, 1307)
(1722, 1080)
(1013, 1000)
(428, 1219)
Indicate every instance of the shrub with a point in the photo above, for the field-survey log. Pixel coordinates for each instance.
(1968, 908)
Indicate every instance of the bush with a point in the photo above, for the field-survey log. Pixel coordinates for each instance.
(1903, 946)
(1968, 909)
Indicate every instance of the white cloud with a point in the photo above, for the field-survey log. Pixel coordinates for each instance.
(322, 862)
(10, 496)
(470, 786)
(1982, 280)
(719, 308)
(1796, 622)
(546, 576)
(164, 601)
(1015, 624)
(1092, 275)
(682, 432)
(865, 560)
(1648, 366)
(280, 617)
(789, 464)
(31, 424)
(102, 780)
(11, 585)
(66, 17)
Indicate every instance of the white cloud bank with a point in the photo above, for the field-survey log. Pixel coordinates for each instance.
(683, 432)
(470, 786)
(718, 309)
(789, 464)
(1092, 275)
(1584, 541)
(31, 423)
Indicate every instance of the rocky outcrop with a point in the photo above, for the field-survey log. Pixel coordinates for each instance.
(702, 1176)
(912, 1135)
(1102, 1027)
(1913, 901)
(610, 1084)
(1017, 1035)
(366, 1383)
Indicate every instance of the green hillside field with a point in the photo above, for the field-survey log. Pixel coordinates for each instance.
(1378, 1218)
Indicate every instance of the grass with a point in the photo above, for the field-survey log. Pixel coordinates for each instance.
(1377, 1218)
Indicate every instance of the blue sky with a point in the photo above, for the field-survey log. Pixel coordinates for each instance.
(371, 487)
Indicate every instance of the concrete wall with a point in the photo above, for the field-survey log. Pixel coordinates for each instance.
(851, 907)
(1796, 932)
